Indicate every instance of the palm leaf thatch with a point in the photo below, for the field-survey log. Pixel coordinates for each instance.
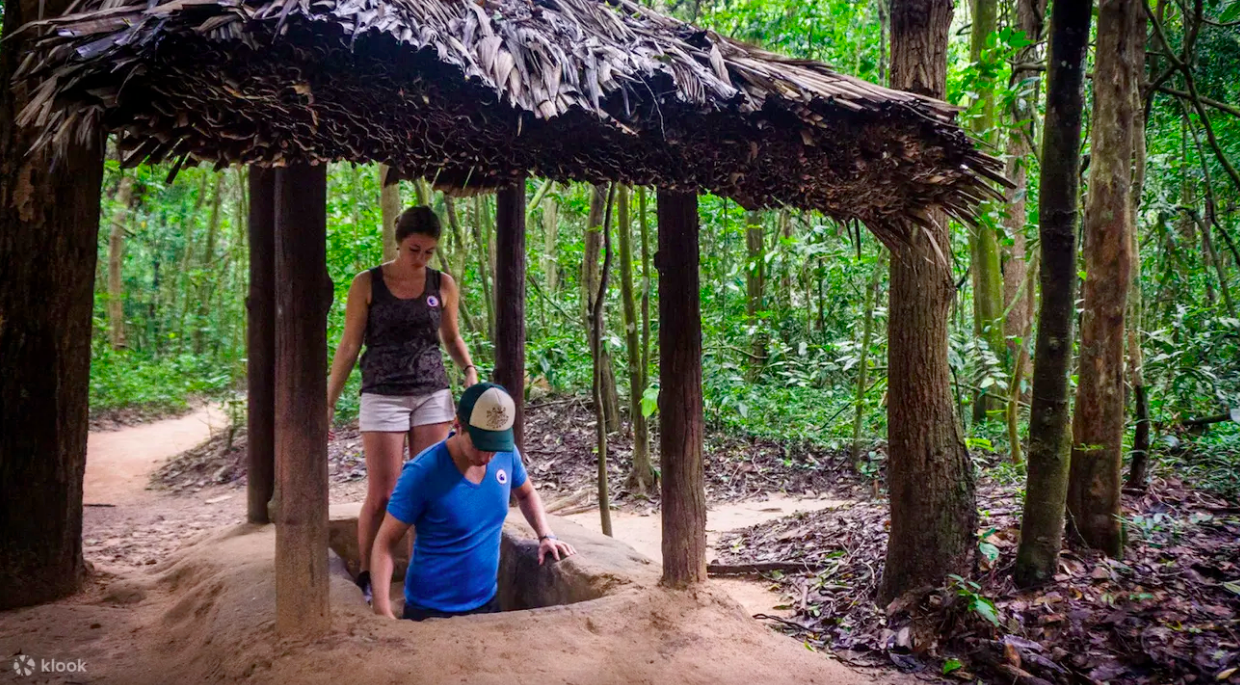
(473, 94)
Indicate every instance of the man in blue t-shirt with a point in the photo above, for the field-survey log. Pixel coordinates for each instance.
(455, 495)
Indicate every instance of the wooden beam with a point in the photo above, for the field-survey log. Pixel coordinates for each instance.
(510, 297)
(680, 399)
(261, 347)
(303, 295)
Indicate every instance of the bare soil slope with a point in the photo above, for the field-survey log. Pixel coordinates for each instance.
(207, 615)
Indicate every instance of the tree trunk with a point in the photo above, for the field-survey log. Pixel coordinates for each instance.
(1098, 421)
(1213, 262)
(185, 281)
(389, 209)
(983, 241)
(355, 198)
(645, 234)
(206, 266)
(484, 266)
(456, 264)
(460, 247)
(303, 298)
(261, 347)
(1136, 371)
(510, 297)
(1018, 376)
(1047, 480)
(598, 304)
(551, 239)
(590, 280)
(822, 300)
(863, 363)
(641, 478)
(680, 396)
(786, 260)
(116, 251)
(238, 258)
(755, 285)
(1018, 300)
(49, 231)
(929, 474)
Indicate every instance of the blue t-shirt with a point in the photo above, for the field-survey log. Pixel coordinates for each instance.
(456, 548)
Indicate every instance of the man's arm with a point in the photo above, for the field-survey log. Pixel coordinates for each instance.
(532, 508)
(391, 532)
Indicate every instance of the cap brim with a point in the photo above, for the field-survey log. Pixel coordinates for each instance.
(492, 441)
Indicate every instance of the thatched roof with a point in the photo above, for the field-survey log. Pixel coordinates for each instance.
(474, 93)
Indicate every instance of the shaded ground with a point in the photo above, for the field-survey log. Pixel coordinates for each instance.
(207, 613)
(116, 419)
(560, 456)
(1168, 612)
(746, 479)
(176, 589)
(119, 463)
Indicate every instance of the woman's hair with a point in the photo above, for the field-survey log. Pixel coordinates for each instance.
(421, 220)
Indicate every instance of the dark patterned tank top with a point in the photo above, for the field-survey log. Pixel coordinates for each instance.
(402, 354)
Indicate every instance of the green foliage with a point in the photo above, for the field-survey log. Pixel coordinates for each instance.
(131, 380)
(974, 601)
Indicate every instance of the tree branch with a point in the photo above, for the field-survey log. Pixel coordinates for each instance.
(1211, 201)
(1193, 94)
(1221, 106)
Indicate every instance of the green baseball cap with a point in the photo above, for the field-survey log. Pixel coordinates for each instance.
(487, 411)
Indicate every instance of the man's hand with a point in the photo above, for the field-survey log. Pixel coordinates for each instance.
(551, 547)
(471, 375)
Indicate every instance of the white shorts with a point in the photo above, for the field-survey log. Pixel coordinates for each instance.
(399, 413)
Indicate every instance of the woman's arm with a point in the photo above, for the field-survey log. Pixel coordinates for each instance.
(450, 331)
(356, 309)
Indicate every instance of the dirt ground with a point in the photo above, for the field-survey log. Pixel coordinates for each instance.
(207, 615)
(119, 462)
(203, 489)
(180, 586)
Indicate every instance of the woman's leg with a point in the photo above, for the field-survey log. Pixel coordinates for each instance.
(431, 421)
(421, 437)
(385, 453)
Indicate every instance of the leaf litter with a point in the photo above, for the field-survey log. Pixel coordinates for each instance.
(560, 456)
(1167, 612)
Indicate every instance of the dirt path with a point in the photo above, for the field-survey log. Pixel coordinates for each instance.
(124, 524)
(130, 525)
(644, 533)
(119, 462)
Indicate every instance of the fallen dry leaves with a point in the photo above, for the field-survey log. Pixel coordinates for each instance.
(1167, 612)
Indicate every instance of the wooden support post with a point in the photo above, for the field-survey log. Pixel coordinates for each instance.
(303, 296)
(680, 399)
(49, 229)
(261, 347)
(510, 297)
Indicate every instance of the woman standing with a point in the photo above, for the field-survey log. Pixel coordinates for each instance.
(400, 310)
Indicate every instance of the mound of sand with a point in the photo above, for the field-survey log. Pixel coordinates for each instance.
(208, 615)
